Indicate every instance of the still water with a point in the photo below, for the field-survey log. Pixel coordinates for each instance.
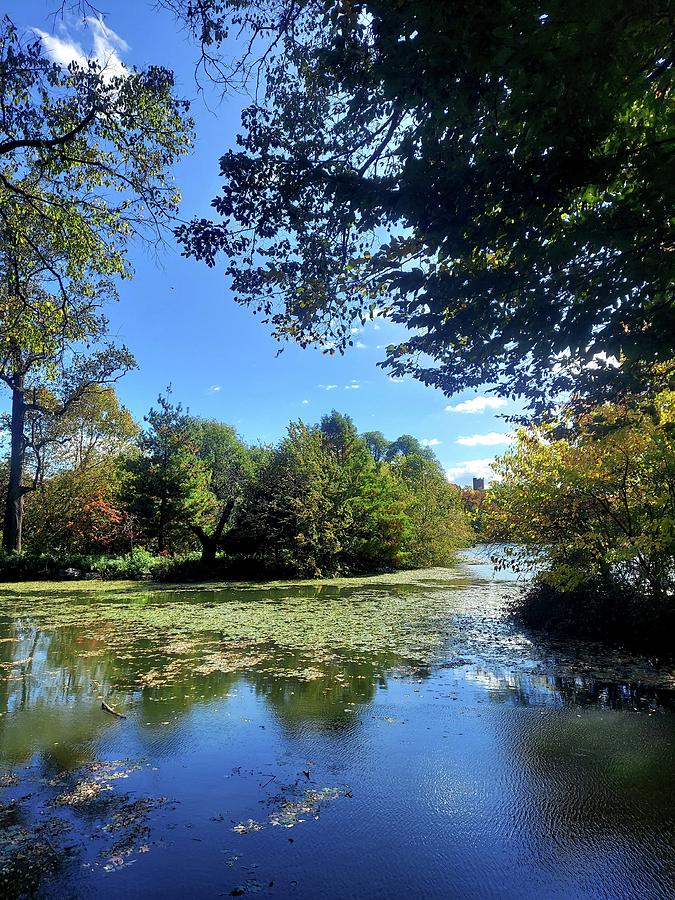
(391, 737)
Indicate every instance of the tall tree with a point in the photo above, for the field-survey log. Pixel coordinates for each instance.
(287, 519)
(84, 160)
(369, 502)
(439, 525)
(230, 466)
(168, 488)
(47, 375)
(479, 171)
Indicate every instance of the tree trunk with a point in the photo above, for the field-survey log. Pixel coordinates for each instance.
(209, 547)
(11, 536)
(210, 542)
(161, 530)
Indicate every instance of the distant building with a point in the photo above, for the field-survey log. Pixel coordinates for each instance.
(479, 484)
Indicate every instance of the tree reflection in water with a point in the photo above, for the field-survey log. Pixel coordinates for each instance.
(419, 691)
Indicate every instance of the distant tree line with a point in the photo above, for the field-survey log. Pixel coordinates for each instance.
(324, 501)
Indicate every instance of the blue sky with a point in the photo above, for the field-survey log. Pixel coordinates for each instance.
(179, 319)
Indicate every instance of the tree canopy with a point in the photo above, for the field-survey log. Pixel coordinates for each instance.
(85, 156)
(497, 177)
(597, 501)
(324, 504)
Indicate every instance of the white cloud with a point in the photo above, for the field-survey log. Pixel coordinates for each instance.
(360, 345)
(328, 387)
(477, 405)
(305, 402)
(106, 47)
(61, 50)
(355, 330)
(462, 473)
(491, 439)
(215, 388)
(430, 442)
(352, 387)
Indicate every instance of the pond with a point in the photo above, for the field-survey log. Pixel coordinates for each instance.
(387, 737)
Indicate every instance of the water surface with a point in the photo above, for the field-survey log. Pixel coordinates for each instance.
(392, 737)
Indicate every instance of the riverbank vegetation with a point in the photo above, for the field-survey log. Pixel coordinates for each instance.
(590, 501)
(185, 498)
(517, 218)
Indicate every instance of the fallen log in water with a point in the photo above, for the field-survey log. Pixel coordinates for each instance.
(109, 709)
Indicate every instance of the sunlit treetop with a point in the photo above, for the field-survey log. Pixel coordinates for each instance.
(85, 162)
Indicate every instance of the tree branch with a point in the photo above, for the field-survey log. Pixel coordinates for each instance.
(48, 143)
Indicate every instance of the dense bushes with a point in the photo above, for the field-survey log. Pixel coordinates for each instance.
(591, 501)
(600, 610)
(141, 565)
(32, 566)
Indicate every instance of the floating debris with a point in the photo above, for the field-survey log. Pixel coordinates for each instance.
(293, 812)
(247, 827)
(83, 792)
(10, 779)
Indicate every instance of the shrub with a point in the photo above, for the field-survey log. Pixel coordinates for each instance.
(57, 565)
(137, 565)
(598, 610)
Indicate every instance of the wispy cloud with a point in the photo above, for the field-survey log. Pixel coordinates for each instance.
(328, 387)
(305, 402)
(477, 405)
(106, 46)
(491, 439)
(431, 442)
(462, 473)
(360, 345)
(215, 389)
